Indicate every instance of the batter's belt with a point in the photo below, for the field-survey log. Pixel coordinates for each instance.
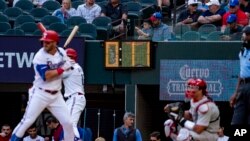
(52, 92)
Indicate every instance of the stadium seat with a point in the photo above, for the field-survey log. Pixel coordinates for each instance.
(191, 36)
(214, 36)
(3, 18)
(179, 30)
(25, 5)
(4, 26)
(23, 19)
(15, 32)
(134, 9)
(76, 3)
(102, 3)
(37, 32)
(13, 13)
(39, 13)
(67, 32)
(3, 5)
(146, 3)
(75, 20)
(58, 27)
(205, 29)
(88, 31)
(48, 20)
(51, 5)
(28, 27)
(103, 27)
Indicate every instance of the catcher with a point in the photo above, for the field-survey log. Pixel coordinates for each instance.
(200, 123)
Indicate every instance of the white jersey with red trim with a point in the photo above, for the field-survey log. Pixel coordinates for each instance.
(42, 58)
(205, 114)
(73, 80)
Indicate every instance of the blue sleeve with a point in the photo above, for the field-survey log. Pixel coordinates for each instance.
(115, 135)
(61, 137)
(80, 130)
(138, 135)
(41, 69)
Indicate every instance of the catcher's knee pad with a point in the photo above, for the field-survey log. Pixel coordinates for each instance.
(184, 135)
(169, 127)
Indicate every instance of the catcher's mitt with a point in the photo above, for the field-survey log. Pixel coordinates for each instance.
(175, 111)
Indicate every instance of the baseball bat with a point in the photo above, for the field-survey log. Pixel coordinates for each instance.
(71, 35)
(41, 27)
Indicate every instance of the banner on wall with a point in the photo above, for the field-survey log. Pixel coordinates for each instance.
(221, 77)
(17, 53)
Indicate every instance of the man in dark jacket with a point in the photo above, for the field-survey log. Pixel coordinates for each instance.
(127, 132)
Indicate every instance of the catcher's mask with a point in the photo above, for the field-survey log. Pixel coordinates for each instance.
(193, 85)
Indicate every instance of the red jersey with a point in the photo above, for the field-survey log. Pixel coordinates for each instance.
(242, 18)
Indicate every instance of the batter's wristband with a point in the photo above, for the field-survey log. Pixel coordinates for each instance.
(59, 71)
(182, 122)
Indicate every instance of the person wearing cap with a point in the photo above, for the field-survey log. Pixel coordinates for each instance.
(235, 30)
(213, 15)
(49, 64)
(161, 31)
(240, 100)
(242, 18)
(191, 15)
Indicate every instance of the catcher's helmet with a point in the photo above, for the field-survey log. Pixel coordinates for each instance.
(50, 36)
(71, 53)
(201, 85)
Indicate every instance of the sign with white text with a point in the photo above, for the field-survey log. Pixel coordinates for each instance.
(220, 75)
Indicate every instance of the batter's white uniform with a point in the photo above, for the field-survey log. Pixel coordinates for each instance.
(73, 81)
(38, 138)
(46, 94)
(207, 114)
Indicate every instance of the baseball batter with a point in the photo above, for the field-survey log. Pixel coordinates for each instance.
(202, 121)
(49, 64)
(73, 81)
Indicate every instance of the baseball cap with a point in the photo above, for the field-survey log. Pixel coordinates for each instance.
(192, 2)
(233, 2)
(213, 2)
(156, 16)
(231, 18)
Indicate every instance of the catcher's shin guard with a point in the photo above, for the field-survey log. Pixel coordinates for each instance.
(15, 138)
(169, 127)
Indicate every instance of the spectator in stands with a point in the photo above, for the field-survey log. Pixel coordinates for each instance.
(242, 18)
(221, 135)
(5, 132)
(161, 3)
(66, 11)
(146, 31)
(161, 32)
(155, 136)
(118, 13)
(32, 131)
(89, 10)
(127, 131)
(213, 15)
(245, 7)
(202, 5)
(57, 129)
(235, 31)
(191, 15)
(100, 139)
(53, 124)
